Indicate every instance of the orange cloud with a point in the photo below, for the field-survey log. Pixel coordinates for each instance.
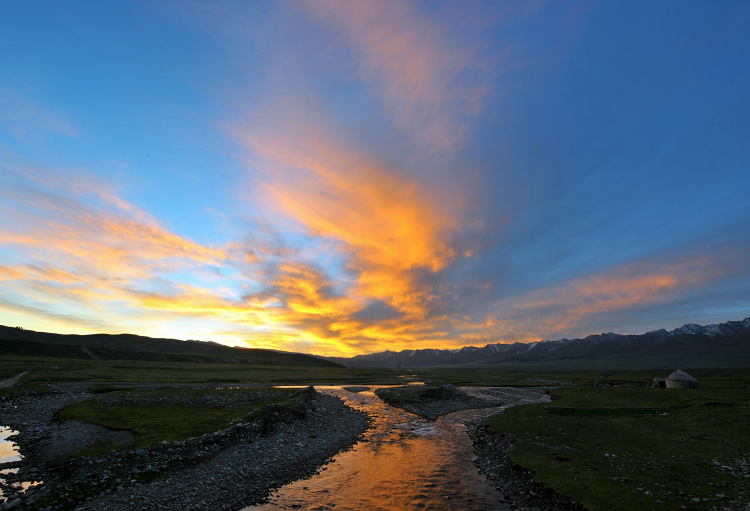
(106, 266)
(7, 273)
(303, 292)
(539, 313)
(388, 226)
(78, 247)
(103, 241)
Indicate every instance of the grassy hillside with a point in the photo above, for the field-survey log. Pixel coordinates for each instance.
(135, 347)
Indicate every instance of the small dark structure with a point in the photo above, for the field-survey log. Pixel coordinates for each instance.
(681, 380)
(660, 383)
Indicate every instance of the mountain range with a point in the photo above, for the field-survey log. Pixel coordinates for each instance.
(723, 345)
(710, 346)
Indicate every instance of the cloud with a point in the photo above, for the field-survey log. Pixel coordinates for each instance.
(567, 307)
(357, 243)
(83, 257)
(43, 311)
(119, 240)
(431, 83)
(390, 230)
(71, 246)
(89, 261)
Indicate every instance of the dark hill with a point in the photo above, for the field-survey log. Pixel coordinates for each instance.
(136, 347)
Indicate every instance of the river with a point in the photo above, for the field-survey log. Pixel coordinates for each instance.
(403, 462)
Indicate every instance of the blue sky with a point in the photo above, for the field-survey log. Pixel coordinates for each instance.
(347, 177)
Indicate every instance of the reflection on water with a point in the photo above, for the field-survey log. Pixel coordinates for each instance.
(8, 450)
(8, 453)
(412, 379)
(405, 462)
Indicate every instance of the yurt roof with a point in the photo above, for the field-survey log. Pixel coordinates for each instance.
(680, 375)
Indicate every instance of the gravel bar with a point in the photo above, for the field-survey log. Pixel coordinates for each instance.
(226, 470)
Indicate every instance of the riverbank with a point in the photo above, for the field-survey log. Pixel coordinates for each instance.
(517, 489)
(228, 469)
(430, 401)
(515, 483)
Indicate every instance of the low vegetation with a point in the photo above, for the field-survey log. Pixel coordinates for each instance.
(637, 448)
(45, 370)
(167, 414)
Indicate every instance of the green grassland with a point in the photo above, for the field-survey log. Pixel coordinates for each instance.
(621, 447)
(634, 448)
(43, 370)
(57, 369)
(723, 377)
(167, 414)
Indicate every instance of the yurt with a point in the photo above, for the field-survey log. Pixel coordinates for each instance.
(681, 380)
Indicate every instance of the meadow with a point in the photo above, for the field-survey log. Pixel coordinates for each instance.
(172, 415)
(43, 370)
(623, 445)
(638, 448)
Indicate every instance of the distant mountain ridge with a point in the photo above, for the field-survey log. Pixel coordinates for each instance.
(691, 345)
(18, 341)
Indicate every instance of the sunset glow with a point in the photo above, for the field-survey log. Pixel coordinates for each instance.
(345, 177)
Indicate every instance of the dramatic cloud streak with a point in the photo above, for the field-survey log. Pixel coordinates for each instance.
(388, 228)
(107, 258)
(342, 177)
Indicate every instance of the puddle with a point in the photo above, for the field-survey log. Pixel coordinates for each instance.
(8, 450)
(9, 454)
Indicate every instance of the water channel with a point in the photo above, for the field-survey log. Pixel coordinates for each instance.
(403, 462)
(8, 454)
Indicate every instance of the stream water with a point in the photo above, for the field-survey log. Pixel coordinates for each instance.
(8, 450)
(8, 454)
(404, 462)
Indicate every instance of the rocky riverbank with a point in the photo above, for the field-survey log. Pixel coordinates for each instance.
(431, 402)
(227, 469)
(515, 483)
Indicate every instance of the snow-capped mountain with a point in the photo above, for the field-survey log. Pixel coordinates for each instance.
(720, 345)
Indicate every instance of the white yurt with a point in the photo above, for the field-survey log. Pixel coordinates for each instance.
(681, 380)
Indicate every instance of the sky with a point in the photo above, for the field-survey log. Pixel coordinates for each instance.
(341, 177)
